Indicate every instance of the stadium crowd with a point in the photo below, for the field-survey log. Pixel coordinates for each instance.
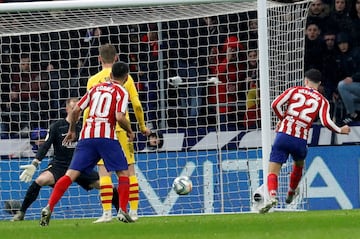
(40, 71)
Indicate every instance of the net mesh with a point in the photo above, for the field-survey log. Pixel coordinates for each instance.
(196, 70)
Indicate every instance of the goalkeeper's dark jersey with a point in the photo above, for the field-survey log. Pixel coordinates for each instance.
(56, 134)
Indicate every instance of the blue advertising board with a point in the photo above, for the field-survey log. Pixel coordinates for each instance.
(332, 182)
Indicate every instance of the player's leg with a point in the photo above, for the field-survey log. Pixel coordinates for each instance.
(278, 156)
(114, 160)
(59, 189)
(123, 191)
(272, 183)
(48, 177)
(128, 148)
(295, 178)
(106, 193)
(84, 160)
(296, 174)
(133, 193)
(272, 178)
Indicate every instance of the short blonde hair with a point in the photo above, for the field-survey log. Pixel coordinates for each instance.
(107, 53)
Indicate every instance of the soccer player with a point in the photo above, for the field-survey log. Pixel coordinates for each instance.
(302, 106)
(107, 104)
(107, 58)
(57, 166)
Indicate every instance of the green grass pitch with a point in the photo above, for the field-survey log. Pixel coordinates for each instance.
(337, 224)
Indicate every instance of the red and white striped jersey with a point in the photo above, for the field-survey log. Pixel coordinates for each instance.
(298, 107)
(104, 101)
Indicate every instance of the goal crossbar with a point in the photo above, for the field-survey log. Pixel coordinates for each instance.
(64, 15)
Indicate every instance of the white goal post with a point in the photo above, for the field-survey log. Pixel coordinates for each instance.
(196, 64)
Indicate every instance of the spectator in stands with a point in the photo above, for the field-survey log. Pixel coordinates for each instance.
(91, 44)
(209, 40)
(252, 31)
(210, 27)
(134, 55)
(355, 27)
(191, 92)
(349, 69)
(252, 114)
(346, 58)
(339, 16)
(319, 14)
(230, 71)
(52, 74)
(5, 90)
(211, 34)
(149, 76)
(192, 67)
(25, 95)
(313, 47)
(330, 81)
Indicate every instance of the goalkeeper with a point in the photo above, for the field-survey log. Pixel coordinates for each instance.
(57, 166)
(107, 58)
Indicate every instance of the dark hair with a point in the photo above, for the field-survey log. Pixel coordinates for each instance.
(342, 37)
(313, 75)
(120, 70)
(159, 137)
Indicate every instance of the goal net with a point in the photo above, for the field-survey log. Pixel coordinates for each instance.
(195, 64)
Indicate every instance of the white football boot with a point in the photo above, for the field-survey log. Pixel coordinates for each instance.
(106, 217)
(133, 214)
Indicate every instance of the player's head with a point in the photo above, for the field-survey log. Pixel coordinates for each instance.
(119, 72)
(107, 54)
(70, 103)
(313, 77)
(155, 141)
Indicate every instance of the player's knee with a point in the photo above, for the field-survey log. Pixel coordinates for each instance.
(45, 180)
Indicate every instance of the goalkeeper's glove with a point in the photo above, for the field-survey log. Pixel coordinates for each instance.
(29, 171)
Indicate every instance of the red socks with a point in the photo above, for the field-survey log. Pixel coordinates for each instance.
(60, 188)
(295, 177)
(272, 183)
(123, 190)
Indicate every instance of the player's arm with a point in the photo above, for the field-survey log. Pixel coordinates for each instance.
(125, 124)
(137, 106)
(279, 101)
(29, 169)
(121, 107)
(89, 85)
(73, 119)
(324, 115)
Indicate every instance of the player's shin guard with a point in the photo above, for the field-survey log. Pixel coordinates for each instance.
(295, 177)
(272, 182)
(134, 193)
(106, 192)
(123, 190)
(60, 188)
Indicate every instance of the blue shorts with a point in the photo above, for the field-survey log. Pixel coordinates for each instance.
(285, 145)
(89, 151)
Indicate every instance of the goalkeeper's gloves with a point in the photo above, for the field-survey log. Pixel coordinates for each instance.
(29, 171)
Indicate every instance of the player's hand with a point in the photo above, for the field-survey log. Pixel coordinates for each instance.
(345, 129)
(146, 132)
(131, 136)
(28, 172)
(70, 137)
(277, 127)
